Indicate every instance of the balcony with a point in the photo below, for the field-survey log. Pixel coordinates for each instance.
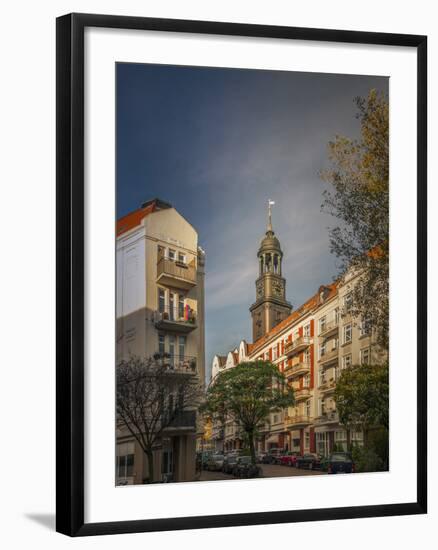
(328, 386)
(174, 319)
(298, 421)
(329, 356)
(329, 417)
(302, 394)
(177, 364)
(291, 371)
(182, 421)
(175, 274)
(297, 346)
(329, 329)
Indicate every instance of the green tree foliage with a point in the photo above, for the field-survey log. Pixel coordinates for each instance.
(247, 394)
(362, 397)
(359, 199)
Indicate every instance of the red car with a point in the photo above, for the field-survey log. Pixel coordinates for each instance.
(289, 458)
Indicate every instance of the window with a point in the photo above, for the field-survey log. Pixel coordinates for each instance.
(322, 349)
(306, 381)
(364, 356)
(306, 440)
(172, 254)
(346, 361)
(323, 407)
(336, 315)
(321, 376)
(306, 331)
(125, 460)
(356, 437)
(348, 302)
(308, 407)
(341, 439)
(365, 327)
(348, 332)
(181, 257)
(322, 443)
(322, 324)
(274, 353)
(161, 300)
(172, 305)
(161, 345)
(275, 419)
(181, 306)
(182, 347)
(306, 356)
(172, 348)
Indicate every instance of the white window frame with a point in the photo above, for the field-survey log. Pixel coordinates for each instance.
(365, 352)
(344, 333)
(347, 359)
(322, 323)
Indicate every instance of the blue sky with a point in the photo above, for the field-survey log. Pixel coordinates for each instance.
(217, 143)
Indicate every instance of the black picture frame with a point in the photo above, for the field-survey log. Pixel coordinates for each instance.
(70, 273)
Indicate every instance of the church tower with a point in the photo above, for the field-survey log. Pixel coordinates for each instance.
(271, 305)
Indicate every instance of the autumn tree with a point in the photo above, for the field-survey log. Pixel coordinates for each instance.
(359, 199)
(362, 397)
(247, 394)
(152, 397)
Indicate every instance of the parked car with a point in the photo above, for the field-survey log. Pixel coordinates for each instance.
(338, 463)
(260, 456)
(245, 469)
(308, 460)
(289, 458)
(230, 461)
(215, 462)
(272, 456)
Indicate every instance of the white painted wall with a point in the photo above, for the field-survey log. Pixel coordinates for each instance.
(131, 274)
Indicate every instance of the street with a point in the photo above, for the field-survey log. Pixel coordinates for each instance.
(269, 470)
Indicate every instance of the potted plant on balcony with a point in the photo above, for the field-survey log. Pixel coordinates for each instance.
(193, 364)
(157, 356)
(165, 315)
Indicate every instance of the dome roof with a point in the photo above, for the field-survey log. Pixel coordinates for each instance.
(270, 243)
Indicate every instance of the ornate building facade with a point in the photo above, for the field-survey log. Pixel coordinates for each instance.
(311, 346)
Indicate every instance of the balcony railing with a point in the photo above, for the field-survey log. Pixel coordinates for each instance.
(302, 393)
(327, 418)
(329, 356)
(175, 273)
(303, 367)
(327, 386)
(298, 345)
(178, 319)
(179, 364)
(183, 419)
(298, 420)
(328, 329)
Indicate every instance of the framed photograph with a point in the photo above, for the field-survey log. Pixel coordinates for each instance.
(241, 274)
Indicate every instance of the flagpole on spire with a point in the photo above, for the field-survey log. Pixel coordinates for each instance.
(270, 203)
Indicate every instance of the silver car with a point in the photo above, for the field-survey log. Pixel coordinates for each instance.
(215, 463)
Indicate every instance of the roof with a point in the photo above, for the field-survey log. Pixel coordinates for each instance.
(131, 220)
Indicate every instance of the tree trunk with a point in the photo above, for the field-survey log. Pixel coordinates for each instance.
(150, 456)
(251, 446)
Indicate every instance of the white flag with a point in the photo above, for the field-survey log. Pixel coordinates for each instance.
(271, 202)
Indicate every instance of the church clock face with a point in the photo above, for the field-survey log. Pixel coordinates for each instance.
(260, 287)
(277, 288)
